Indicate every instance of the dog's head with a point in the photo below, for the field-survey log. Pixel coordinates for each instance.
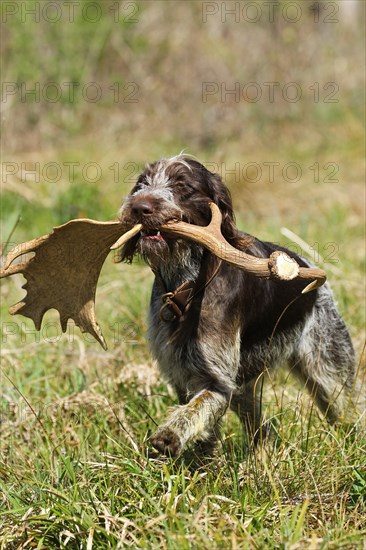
(179, 188)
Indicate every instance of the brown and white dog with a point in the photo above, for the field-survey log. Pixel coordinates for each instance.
(215, 329)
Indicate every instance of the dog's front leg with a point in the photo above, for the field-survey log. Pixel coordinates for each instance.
(190, 423)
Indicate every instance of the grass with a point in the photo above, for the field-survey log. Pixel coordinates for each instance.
(76, 471)
(75, 466)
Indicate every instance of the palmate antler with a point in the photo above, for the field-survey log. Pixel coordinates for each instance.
(64, 272)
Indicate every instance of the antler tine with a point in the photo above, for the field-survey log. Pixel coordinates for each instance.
(127, 236)
(279, 265)
(23, 248)
(12, 270)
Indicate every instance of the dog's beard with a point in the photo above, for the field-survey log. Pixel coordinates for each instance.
(174, 258)
(155, 249)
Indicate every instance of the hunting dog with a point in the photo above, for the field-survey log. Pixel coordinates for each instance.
(215, 329)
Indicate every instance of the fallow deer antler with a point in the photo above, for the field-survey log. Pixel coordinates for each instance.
(279, 265)
(64, 272)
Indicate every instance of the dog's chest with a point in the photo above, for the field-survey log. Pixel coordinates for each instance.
(178, 363)
(208, 356)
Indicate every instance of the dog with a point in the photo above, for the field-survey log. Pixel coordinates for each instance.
(215, 329)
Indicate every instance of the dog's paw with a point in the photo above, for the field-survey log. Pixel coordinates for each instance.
(167, 442)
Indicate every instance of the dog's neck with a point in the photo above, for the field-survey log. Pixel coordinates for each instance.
(179, 269)
(174, 279)
(181, 288)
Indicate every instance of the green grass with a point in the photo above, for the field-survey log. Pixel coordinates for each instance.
(75, 466)
(76, 469)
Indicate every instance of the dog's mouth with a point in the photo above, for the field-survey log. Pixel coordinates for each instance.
(152, 235)
(149, 233)
(153, 245)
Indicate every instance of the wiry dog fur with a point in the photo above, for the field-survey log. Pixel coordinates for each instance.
(238, 325)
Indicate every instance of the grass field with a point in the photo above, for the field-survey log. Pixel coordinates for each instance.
(76, 470)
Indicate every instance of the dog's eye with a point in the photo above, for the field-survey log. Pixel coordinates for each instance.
(186, 191)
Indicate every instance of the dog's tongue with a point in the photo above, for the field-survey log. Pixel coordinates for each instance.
(155, 237)
(152, 235)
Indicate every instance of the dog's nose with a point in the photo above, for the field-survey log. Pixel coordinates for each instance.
(142, 209)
